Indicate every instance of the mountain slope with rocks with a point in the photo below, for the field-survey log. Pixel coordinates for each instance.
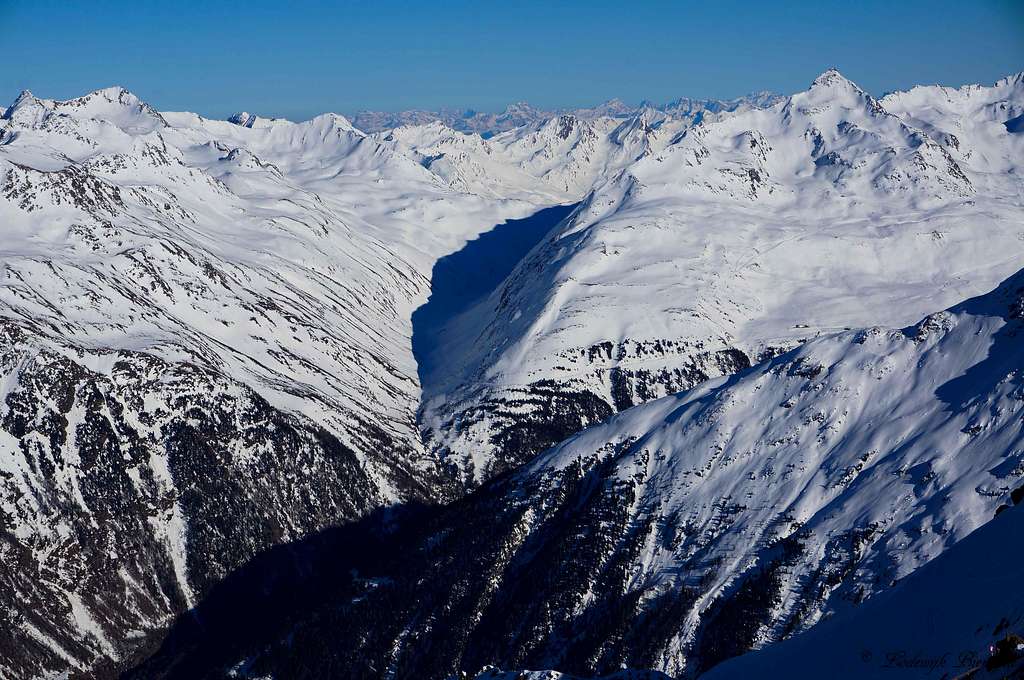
(689, 530)
(207, 352)
(739, 238)
(960, 615)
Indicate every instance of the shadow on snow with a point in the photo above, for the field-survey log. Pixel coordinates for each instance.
(465, 277)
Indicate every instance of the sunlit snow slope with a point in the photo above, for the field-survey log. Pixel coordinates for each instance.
(744, 235)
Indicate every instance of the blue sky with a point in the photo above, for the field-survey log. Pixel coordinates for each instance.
(298, 58)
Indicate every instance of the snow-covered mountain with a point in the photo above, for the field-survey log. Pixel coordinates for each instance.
(522, 114)
(165, 274)
(967, 121)
(207, 335)
(555, 160)
(959, 616)
(130, 484)
(497, 674)
(727, 241)
(290, 255)
(689, 530)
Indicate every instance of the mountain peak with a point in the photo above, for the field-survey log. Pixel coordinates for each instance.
(252, 120)
(832, 87)
(113, 104)
(332, 120)
(26, 109)
(519, 107)
(1009, 81)
(832, 78)
(113, 93)
(243, 118)
(614, 107)
(25, 95)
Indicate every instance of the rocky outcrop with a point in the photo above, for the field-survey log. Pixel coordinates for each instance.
(130, 485)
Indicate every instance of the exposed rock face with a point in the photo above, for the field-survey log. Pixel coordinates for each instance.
(141, 483)
(686, 531)
(512, 425)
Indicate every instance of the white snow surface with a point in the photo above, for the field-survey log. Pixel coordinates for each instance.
(752, 229)
(290, 255)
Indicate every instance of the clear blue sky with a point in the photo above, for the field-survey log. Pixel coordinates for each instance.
(296, 58)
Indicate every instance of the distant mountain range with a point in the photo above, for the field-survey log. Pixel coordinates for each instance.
(522, 113)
